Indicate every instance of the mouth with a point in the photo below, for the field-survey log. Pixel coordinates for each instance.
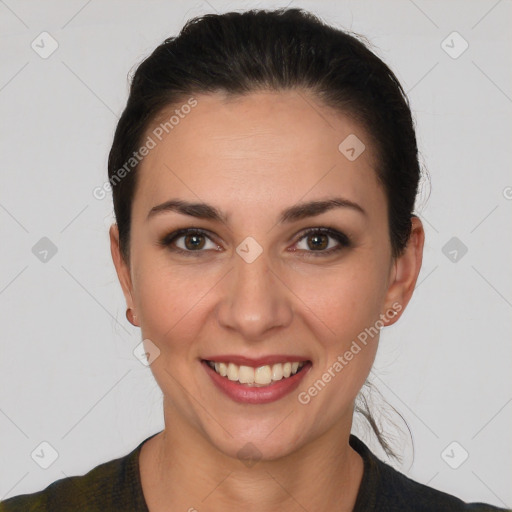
(259, 381)
(259, 376)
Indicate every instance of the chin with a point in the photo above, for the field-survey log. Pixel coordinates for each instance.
(266, 441)
(251, 451)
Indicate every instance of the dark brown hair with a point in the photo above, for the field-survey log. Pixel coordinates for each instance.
(240, 53)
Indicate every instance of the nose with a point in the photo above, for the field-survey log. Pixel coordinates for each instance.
(254, 300)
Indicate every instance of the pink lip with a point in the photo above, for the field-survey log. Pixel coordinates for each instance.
(256, 395)
(255, 362)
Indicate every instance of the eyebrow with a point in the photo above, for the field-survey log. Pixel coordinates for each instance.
(291, 214)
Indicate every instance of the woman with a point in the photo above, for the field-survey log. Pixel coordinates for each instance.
(264, 174)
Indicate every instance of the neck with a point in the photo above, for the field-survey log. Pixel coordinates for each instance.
(179, 467)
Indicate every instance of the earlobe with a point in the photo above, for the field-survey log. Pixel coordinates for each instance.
(131, 317)
(122, 269)
(405, 271)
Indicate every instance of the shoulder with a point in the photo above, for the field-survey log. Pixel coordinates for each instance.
(113, 485)
(403, 492)
(389, 490)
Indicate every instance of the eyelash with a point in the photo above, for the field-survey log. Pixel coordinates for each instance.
(341, 238)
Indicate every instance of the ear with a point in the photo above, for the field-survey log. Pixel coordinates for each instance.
(404, 274)
(122, 268)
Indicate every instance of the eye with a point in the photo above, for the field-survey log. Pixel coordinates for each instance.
(322, 242)
(189, 241)
(314, 241)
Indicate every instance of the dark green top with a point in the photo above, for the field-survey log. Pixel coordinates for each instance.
(116, 486)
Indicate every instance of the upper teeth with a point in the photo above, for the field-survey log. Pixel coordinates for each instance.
(262, 375)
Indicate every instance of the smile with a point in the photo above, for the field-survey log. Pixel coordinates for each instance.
(268, 379)
(257, 377)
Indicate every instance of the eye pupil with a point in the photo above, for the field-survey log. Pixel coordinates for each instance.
(198, 241)
(320, 241)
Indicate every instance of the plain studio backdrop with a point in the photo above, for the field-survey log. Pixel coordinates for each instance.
(73, 394)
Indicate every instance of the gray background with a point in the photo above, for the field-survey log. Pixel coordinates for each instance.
(68, 374)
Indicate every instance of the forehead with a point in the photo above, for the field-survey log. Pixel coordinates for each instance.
(253, 148)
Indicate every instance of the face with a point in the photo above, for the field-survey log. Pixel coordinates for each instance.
(267, 282)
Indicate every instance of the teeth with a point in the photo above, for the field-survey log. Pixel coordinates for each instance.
(277, 372)
(261, 376)
(232, 372)
(223, 369)
(245, 374)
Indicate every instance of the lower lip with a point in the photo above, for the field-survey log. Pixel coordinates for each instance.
(256, 395)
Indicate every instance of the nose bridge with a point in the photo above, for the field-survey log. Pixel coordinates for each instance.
(255, 300)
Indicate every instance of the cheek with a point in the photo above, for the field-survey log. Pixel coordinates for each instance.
(348, 302)
(349, 307)
(169, 301)
(344, 300)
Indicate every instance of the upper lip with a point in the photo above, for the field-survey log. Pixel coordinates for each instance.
(257, 361)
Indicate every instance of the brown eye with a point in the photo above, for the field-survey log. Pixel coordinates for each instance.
(189, 241)
(194, 241)
(322, 242)
(318, 241)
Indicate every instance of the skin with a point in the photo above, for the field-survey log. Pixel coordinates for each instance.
(251, 157)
